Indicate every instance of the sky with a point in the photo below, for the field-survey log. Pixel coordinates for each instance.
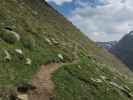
(100, 20)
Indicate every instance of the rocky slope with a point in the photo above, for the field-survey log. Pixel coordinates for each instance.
(32, 34)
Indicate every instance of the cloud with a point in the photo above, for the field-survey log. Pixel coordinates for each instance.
(114, 18)
(98, 34)
(59, 2)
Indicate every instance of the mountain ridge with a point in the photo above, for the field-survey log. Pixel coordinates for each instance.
(123, 49)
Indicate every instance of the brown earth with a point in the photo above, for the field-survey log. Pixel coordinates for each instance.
(43, 83)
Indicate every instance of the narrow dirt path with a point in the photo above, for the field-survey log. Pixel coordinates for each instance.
(43, 83)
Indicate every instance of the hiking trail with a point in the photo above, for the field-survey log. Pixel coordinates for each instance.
(43, 83)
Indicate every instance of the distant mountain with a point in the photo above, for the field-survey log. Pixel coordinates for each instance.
(124, 49)
(107, 45)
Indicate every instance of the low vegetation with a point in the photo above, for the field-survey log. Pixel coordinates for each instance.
(89, 80)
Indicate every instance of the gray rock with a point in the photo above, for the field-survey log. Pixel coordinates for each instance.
(60, 56)
(19, 51)
(48, 41)
(7, 55)
(16, 35)
(28, 61)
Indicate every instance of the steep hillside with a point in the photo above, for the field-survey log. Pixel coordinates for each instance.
(33, 34)
(124, 50)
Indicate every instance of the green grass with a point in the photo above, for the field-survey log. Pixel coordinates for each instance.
(37, 23)
(74, 82)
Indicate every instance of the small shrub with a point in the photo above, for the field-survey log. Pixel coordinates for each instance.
(28, 42)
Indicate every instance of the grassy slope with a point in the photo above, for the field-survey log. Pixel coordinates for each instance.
(78, 82)
(39, 26)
